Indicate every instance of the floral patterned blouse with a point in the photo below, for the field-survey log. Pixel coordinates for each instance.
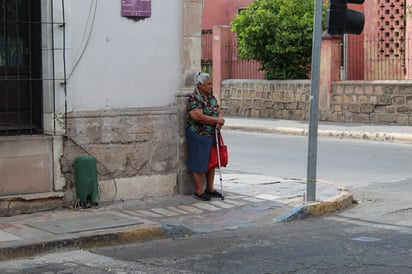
(210, 107)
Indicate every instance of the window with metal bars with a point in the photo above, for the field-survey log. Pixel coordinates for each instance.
(20, 67)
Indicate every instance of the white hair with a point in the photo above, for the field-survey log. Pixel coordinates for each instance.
(201, 77)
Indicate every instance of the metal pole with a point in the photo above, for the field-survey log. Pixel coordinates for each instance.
(314, 103)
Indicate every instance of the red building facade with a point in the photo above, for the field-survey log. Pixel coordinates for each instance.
(220, 13)
(382, 52)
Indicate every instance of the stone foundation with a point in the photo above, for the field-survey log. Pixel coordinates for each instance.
(136, 147)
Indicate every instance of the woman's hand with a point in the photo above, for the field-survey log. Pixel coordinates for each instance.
(220, 123)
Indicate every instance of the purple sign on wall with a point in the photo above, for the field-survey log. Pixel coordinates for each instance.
(136, 8)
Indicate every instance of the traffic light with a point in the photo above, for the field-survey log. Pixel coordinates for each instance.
(341, 20)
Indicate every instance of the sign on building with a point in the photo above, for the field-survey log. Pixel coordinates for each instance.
(136, 8)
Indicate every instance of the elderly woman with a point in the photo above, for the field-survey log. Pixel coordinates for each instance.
(204, 117)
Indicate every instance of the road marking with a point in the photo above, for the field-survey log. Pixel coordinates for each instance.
(366, 239)
(269, 197)
(237, 203)
(198, 208)
(148, 213)
(253, 199)
(222, 204)
(230, 196)
(190, 209)
(175, 209)
(370, 223)
(164, 211)
(206, 207)
(132, 213)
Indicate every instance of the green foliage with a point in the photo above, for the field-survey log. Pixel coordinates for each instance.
(408, 11)
(278, 33)
(207, 67)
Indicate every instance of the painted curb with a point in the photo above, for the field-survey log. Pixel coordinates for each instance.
(87, 240)
(338, 202)
(343, 200)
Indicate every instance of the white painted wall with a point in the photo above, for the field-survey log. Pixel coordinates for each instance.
(115, 62)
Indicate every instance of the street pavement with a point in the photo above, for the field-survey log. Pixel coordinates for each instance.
(248, 202)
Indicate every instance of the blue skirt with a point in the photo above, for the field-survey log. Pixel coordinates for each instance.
(197, 151)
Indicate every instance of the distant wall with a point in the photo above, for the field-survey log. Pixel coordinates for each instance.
(377, 102)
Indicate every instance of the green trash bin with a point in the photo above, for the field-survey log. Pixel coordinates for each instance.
(87, 188)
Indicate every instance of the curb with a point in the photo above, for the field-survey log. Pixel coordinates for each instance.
(338, 202)
(362, 135)
(341, 201)
(90, 239)
(150, 231)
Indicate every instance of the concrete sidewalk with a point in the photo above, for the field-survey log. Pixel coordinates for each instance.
(272, 200)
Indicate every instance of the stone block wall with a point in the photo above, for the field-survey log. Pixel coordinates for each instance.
(375, 102)
(287, 100)
(129, 145)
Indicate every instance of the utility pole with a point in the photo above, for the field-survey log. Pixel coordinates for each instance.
(339, 20)
(314, 103)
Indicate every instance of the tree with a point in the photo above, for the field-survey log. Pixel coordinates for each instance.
(277, 33)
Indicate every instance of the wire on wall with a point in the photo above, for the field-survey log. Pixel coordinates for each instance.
(88, 30)
(64, 67)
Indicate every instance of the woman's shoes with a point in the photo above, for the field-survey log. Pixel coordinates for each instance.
(203, 196)
(214, 194)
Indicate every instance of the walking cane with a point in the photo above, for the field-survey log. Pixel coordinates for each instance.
(218, 162)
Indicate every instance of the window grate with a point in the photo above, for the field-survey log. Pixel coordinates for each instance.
(391, 28)
(27, 66)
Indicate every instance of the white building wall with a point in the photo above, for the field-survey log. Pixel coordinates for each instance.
(115, 62)
(139, 73)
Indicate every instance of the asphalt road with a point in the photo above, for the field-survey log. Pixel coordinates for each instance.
(374, 236)
(318, 245)
(350, 163)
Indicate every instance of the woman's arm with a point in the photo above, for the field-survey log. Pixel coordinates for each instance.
(198, 116)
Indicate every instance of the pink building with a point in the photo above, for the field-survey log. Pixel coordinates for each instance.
(387, 39)
(220, 13)
(382, 52)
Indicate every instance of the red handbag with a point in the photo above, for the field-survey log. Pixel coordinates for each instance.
(218, 154)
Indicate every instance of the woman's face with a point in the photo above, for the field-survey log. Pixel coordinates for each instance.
(206, 87)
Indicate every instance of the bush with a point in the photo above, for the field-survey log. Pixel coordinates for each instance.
(277, 33)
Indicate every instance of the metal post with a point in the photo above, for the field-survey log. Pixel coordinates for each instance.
(314, 103)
